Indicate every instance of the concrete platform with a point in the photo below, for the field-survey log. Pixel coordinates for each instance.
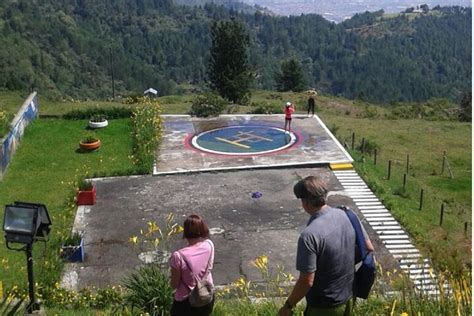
(317, 146)
(248, 227)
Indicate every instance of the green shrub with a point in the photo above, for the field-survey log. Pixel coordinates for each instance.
(333, 129)
(148, 290)
(10, 306)
(97, 118)
(208, 104)
(265, 108)
(5, 119)
(109, 113)
(147, 129)
(369, 112)
(368, 147)
(86, 298)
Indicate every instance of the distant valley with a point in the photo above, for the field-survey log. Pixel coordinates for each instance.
(340, 10)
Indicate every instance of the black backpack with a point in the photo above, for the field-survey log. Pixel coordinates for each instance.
(364, 277)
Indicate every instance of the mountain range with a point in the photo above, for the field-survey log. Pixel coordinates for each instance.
(75, 48)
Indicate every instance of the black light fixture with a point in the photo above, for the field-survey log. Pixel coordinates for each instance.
(25, 223)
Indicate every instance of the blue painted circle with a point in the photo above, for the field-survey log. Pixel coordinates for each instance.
(244, 140)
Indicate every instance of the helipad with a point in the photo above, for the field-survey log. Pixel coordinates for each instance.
(244, 140)
(233, 142)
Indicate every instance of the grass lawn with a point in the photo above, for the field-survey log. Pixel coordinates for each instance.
(44, 170)
(424, 142)
(11, 101)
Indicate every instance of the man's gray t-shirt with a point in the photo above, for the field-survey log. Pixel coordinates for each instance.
(326, 247)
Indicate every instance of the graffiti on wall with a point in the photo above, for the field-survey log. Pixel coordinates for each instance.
(10, 143)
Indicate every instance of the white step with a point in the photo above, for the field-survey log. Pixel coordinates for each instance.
(404, 251)
(419, 263)
(400, 247)
(415, 271)
(394, 232)
(416, 266)
(359, 200)
(378, 214)
(406, 255)
(380, 218)
(394, 237)
(363, 195)
(373, 207)
(344, 171)
(381, 223)
(382, 210)
(348, 187)
(386, 227)
(351, 181)
(397, 241)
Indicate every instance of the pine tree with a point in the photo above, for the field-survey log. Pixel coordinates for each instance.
(466, 107)
(291, 76)
(229, 72)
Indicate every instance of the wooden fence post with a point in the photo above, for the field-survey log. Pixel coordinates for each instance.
(444, 162)
(353, 140)
(362, 146)
(404, 181)
(421, 199)
(375, 156)
(389, 169)
(408, 163)
(441, 215)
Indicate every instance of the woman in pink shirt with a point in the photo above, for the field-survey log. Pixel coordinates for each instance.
(289, 109)
(199, 254)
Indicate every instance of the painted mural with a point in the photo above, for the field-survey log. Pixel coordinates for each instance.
(10, 143)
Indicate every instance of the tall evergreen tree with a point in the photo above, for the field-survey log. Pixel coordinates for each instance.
(291, 76)
(466, 107)
(229, 72)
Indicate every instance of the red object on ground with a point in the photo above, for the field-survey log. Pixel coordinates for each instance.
(86, 197)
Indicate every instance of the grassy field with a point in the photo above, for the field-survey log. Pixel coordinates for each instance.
(11, 101)
(425, 143)
(44, 170)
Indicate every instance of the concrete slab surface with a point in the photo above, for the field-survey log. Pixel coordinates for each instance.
(249, 227)
(317, 145)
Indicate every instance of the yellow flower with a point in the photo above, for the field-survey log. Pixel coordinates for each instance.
(133, 240)
(404, 314)
(261, 262)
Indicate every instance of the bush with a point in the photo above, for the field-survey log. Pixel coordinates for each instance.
(149, 290)
(5, 119)
(208, 104)
(86, 298)
(368, 147)
(147, 129)
(265, 108)
(109, 113)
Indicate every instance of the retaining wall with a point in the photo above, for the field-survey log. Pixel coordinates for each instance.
(9, 144)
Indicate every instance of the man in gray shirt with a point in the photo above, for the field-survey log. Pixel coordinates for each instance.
(325, 255)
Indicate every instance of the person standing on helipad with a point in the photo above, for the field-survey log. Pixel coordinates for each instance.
(311, 101)
(325, 255)
(289, 110)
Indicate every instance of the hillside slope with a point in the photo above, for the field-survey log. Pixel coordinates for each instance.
(68, 48)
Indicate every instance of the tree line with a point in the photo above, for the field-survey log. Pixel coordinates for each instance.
(71, 48)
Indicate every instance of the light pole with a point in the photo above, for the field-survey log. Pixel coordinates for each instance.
(25, 223)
